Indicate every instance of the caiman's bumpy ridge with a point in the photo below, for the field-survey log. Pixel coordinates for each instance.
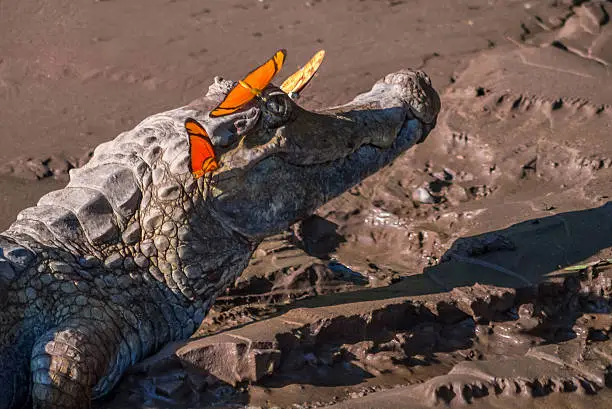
(131, 254)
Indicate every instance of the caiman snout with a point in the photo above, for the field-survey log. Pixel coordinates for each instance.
(403, 104)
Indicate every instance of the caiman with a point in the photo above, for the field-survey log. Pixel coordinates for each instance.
(131, 254)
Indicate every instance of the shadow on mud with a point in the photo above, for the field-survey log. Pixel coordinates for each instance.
(519, 256)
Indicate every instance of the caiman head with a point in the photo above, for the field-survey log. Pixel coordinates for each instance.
(282, 162)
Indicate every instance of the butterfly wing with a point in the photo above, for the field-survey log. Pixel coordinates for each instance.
(203, 158)
(236, 98)
(260, 77)
(256, 81)
(299, 79)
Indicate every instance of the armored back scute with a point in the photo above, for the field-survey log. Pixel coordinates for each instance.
(14, 259)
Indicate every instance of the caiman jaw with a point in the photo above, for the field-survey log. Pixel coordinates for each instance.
(319, 138)
(385, 141)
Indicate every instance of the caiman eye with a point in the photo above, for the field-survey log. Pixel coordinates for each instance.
(277, 110)
(275, 104)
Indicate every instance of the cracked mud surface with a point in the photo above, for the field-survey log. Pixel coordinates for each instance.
(438, 281)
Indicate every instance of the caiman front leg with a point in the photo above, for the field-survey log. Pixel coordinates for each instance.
(69, 360)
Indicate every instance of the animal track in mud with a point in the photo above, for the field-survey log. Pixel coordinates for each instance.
(595, 163)
(507, 104)
(583, 32)
(569, 160)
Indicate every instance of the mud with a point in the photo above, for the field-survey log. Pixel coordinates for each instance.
(468, 345)
(440, 280)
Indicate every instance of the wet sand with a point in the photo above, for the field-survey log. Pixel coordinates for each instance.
(469, 233)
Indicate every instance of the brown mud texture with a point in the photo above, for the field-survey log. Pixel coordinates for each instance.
(439, 281)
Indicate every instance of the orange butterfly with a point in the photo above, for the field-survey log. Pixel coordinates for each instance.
(203, 159)
(298, 80)
(251, 86)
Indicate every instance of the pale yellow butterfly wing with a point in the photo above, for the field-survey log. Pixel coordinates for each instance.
(299, 79)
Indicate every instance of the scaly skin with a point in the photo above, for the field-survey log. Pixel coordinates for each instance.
(132, 253)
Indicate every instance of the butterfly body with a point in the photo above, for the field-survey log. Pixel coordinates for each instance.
(255, 91)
